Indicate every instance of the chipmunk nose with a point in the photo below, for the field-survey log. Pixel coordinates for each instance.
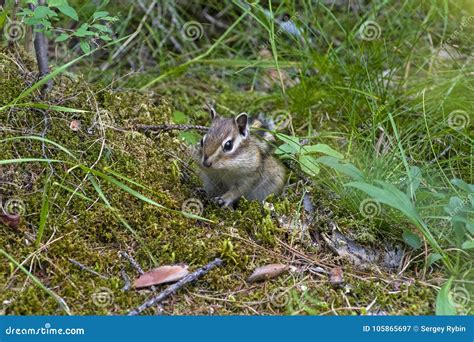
(206, 162)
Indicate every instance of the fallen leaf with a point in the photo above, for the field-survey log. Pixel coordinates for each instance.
(160, 275)
(336, 276)
(75, 125)
(267, 272)
(11, 220)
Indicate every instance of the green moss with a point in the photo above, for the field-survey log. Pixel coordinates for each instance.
(91, 232)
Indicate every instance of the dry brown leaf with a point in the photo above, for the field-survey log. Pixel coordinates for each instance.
(336, 276)
(11, 220)
(267, 272)
(160, 275)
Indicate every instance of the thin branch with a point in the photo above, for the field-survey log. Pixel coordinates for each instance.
(132, 261)
(41, 50)
(169, 127)
(85, 268)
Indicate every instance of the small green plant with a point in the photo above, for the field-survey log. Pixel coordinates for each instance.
(45, 17)
(304, 155)
(462, 225)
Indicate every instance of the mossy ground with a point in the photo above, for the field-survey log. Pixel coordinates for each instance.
(91, 233)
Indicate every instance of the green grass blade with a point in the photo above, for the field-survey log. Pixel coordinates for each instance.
(38, 282)
(34, 137)
(43, 214)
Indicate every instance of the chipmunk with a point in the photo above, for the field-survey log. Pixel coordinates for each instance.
(235, 164)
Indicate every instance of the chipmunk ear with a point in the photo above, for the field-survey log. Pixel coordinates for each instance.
(242, 121)
(212, 113)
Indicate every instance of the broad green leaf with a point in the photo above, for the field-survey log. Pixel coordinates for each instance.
(321, 148)
(82, 31)
(24, 12)
(68, 11)
(468, 245)
(414, 180)
(400, 198)
(463, 185)
(85, 47)
(308, 165)
(62, 37)
(57, 3)
(444, 302)
(432, 258)
(286, 149)
(179, 117)
(391, 198)
(102, 28)
(469, 224)
(105, 38)
(459, 232)
(454, 206)
(191, 138)
(99, 14)
(3, 17)
(412, 239)
(42, 12)
(341, 166)
(294, 142)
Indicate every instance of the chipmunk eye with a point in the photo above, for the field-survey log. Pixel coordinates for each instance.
(228, 146)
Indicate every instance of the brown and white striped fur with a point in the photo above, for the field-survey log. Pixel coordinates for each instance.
(235, 163)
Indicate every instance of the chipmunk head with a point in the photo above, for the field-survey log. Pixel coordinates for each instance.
(221, 146)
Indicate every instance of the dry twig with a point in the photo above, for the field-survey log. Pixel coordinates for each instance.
(175, 287)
